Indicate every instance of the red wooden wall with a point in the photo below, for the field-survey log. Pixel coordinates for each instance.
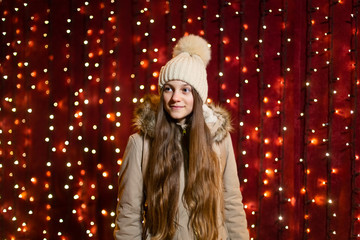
(72, 72)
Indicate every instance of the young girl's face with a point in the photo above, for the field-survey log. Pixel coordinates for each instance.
(178, 99)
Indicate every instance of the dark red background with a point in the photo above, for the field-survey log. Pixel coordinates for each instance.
(73, 71)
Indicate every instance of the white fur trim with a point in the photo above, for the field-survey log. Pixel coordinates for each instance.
(209, 114)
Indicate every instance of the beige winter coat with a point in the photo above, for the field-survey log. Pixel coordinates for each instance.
(130, 198)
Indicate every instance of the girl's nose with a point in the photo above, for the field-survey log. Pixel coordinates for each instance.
(176, 96)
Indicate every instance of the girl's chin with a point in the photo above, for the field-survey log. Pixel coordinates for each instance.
(177, 117)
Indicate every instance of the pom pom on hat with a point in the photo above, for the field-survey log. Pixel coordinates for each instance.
(194, 45)
(191, 55)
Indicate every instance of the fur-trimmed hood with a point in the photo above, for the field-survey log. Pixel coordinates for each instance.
(216, 117)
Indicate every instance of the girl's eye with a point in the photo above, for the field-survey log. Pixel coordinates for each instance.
(167, 89)
(187, 90)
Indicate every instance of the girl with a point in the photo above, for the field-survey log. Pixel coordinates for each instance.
(178, 179)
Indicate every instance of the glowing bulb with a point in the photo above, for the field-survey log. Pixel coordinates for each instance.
(267, 194)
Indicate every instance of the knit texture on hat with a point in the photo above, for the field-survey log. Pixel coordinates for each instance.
(190, 58)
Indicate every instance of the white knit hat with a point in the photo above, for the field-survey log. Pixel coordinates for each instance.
(191, 55)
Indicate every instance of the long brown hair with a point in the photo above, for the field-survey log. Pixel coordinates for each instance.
(202, 193)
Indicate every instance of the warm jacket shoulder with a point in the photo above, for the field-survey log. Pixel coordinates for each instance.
(145, 114)
(216, 117)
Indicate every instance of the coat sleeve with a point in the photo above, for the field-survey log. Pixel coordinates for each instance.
(130, 194)
(235, 217)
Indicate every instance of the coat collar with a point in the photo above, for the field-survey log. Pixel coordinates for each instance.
(216, 117)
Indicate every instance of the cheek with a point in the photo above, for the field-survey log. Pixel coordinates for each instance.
(166, 98)
(191, 101)
(191, 104)
(166, 103)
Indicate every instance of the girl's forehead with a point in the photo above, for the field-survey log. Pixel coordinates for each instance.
(177, 83)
